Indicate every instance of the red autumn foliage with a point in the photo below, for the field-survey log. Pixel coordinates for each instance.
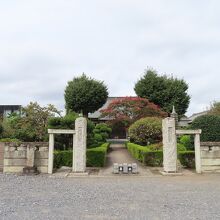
(130, 109)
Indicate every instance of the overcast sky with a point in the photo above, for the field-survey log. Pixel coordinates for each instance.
(45, 43)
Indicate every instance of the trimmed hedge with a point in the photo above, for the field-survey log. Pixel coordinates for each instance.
(150, 157)
(146, 155)
(187, 158)
(153, 158)
(63, 158)
(95, 157)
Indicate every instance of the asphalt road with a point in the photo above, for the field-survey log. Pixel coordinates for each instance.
(121, 197)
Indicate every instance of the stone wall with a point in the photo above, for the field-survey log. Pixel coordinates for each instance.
(210, 156)
(2, 146)
(16, 156)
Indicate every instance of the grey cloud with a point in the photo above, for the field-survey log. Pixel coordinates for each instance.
(45, 43)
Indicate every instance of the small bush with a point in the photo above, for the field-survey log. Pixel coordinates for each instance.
(146, 130)
(187, 142)
(150, 157)
(98, 137)
(63, 158)
(95, 157)
(102, 129)
(145, 154)
(187, 158)
(154, 147)
(210, 125)
(66, 122)
(153, 158)
(180, 147)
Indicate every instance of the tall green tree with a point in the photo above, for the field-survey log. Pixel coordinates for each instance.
(164, 91)
(86, 95)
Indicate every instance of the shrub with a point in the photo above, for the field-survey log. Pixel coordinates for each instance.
(103, 129)
(187, 142)
(90, 135)
(180, 147)
(150, 157)
(137, 151)
(145, 154)
(187, 158)
(30, 124)
(100, 133)
(153, 158)
(154, 147)
(66, 122)
(146, 130)
(98, 137)
(95, 157)
(63, 158)
(210, 125)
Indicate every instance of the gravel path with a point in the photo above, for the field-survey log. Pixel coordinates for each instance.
(44, 197)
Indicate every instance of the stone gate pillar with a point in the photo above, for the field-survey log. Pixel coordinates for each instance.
(169, 145)
(79, 145)
(50, 157)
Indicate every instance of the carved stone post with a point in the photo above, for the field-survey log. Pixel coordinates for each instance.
(79, 148)
(30, 156)
(51, 148)
(169, 145)
(197, 153)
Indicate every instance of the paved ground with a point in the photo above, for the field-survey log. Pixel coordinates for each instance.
(129, 197)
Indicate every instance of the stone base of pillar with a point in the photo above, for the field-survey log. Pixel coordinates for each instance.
(78, 174)
(171, 173)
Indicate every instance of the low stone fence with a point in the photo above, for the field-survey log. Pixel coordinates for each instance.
(210, 156)
(17, 156)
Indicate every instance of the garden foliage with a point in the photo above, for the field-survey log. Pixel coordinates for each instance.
(152, 155)
(66, 122)
(187, 142)
(210, 125)
(146, 131)
(31, 124)
(95, 157)
(101, 133)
